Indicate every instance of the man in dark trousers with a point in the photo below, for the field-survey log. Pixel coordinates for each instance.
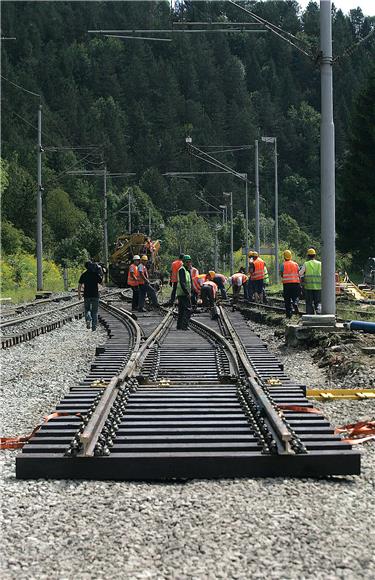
(184, 291)
(90, 280)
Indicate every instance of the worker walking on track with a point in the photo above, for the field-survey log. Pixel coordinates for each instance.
(90, 280)
(237, 281)
(176, 265)
(289, 272)
(256, 277)
(311, 274)
(220, 281)
(145, 287)
(183, 291)
(133, 281)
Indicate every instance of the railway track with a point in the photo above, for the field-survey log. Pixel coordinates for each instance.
(19, 329)
(159, 403)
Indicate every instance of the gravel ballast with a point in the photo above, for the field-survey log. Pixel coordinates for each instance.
(265, 528)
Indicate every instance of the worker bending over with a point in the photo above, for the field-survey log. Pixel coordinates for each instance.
(311, 274)
(289, 272)
(220, 281)
(237, 281)
(145, 287)
(255, 286)
(133, 281)
(208, 294)
(184, 290)
(176, 265)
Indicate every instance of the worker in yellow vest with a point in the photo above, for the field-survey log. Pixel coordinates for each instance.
(289, 272)
(311, 274)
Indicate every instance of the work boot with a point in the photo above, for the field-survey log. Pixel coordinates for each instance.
(295, 308)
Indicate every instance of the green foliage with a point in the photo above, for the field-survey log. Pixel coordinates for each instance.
(13, 240)
(62, 215)
(188, 234)
(356, 224)
(137, 104)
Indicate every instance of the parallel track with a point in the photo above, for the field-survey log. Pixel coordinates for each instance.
(202, 403)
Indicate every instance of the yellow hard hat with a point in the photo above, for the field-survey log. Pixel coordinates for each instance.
(144, 258)
(212, 273)
(311, 252)
(251, 253)
(255, 254)
(288, 255)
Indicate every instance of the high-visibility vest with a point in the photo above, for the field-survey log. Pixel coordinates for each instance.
(258, 273)
(144, 272)
(198, 281)
(194, 272)
(266, 275)
(211, 285)
(312, 278)
(180, 291)
(290, 275)
(133, 269)
(238, 279)
(176, 265)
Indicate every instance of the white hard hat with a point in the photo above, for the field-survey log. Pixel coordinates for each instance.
(136, 257)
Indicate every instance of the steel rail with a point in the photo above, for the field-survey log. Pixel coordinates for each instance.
(92, 431)
(281, 431)
(16, 321)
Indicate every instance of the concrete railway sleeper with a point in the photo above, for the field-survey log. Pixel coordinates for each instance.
(161, 403)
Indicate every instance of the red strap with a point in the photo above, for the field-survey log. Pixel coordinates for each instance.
(18, 442)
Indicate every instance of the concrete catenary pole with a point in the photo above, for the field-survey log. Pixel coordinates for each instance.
(149, 222)
(130, 212)
(276, 217)
(216, 266)
(231, 236)
(39, 211)
(327, 162)
(247, 225)
(106, 257)
(257, 228)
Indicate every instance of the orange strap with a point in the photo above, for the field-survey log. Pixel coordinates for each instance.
(19, 441)
(357, 432)
(298, 409)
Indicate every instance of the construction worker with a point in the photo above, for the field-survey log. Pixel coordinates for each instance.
(197, 283)
(289, 272)
(266, 282)
(311, 274)
(133, 280)
(184, 289)
(145, 286)
(237, 281)
(208, 294)
(176, 265)
(220, 280)
(194, 272)
(256, 277)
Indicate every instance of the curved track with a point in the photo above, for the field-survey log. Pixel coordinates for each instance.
(160, 403)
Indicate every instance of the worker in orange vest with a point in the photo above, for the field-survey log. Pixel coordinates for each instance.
(237, 281)
(289, 272)
(194, 272)
(133, 280)
(197, 283)
(176, 265)
(208, 294)
(220, 280)
(256, 277)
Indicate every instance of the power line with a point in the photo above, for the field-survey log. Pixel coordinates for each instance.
(19, 87)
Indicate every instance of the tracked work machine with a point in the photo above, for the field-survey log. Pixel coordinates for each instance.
(128, 245)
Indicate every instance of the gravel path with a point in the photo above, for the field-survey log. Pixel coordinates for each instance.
(245, 529)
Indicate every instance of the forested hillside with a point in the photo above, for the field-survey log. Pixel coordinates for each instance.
(133, 102)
